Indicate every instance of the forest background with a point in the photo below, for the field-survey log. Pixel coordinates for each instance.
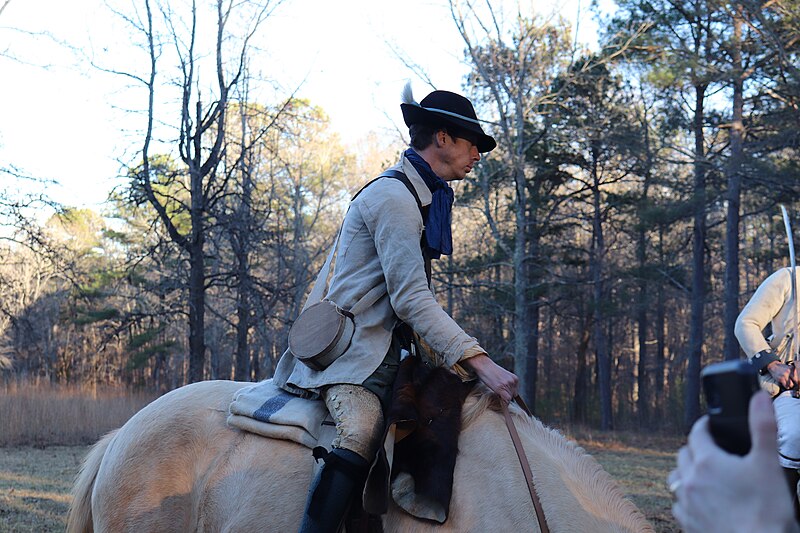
(602, 251)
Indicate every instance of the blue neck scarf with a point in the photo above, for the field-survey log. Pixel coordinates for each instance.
(438, 233)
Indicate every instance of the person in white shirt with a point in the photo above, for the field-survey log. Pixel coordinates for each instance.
(774, 358)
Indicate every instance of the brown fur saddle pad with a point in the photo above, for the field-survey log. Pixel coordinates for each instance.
(420, 446)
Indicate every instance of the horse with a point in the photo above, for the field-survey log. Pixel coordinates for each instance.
(177, 466)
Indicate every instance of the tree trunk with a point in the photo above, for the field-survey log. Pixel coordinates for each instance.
(521, 319)
(534, 316)
(643, 377)
(730, 345)
(197, 275)
(580, 400)
(197, 345)
(241, 246)
(197, 289)
(242, 366)
(660, 327)
(692, 398)
(547, 360)
(450, 283)
(532, 365)
(598, 300)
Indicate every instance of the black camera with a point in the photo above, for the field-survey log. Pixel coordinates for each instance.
(728, 387)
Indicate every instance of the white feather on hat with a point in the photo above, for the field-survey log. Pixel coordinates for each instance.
(408, 95)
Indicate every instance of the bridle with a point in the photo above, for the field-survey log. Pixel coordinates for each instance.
(523, 461)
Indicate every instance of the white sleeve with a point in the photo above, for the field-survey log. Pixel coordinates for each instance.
(765, 304)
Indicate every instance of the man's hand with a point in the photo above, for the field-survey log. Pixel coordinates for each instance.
(501, 381)
(718, 491)
(785, 375)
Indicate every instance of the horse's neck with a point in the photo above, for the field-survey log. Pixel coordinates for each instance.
(572, 486)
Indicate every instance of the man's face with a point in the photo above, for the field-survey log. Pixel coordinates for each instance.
(458, 156)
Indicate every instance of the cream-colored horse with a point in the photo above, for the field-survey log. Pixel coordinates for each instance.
(176, 466)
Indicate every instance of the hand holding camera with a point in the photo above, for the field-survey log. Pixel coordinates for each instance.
(717, 491)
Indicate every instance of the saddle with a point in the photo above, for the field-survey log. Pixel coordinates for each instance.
(415, 464)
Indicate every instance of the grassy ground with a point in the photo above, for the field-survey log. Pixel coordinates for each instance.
(640, 464)
(34, 487)
(35, 482)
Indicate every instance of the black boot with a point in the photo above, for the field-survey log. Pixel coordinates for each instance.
(331, 491)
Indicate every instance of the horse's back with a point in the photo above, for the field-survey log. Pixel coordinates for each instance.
(177, 466)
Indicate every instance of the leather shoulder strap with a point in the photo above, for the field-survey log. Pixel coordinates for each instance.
(423, 211)
(396, 174)
(321, 283)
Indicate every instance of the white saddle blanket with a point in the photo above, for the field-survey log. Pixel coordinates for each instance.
(267, 410)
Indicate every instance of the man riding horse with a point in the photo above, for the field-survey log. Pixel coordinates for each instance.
(382, 269)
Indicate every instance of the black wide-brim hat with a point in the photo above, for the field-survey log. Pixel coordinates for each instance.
(444, 107)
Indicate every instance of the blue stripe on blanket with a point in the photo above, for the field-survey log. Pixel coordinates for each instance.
(272, 406)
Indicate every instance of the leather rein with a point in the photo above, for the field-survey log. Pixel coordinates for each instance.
(523, 461)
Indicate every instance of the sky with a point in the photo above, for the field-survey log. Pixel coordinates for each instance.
(62, 119)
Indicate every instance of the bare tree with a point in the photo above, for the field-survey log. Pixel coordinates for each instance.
(201, 137)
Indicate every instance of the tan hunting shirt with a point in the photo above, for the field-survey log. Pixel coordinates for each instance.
(379, 245)
(771, 303)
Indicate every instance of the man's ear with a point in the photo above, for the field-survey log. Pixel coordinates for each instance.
(440, 138)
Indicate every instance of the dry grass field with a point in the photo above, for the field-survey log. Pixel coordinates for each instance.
(35, 477)
(42, 414)
(44, 430)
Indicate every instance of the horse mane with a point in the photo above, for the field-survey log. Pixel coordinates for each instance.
(480, 399)
(571, 456)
